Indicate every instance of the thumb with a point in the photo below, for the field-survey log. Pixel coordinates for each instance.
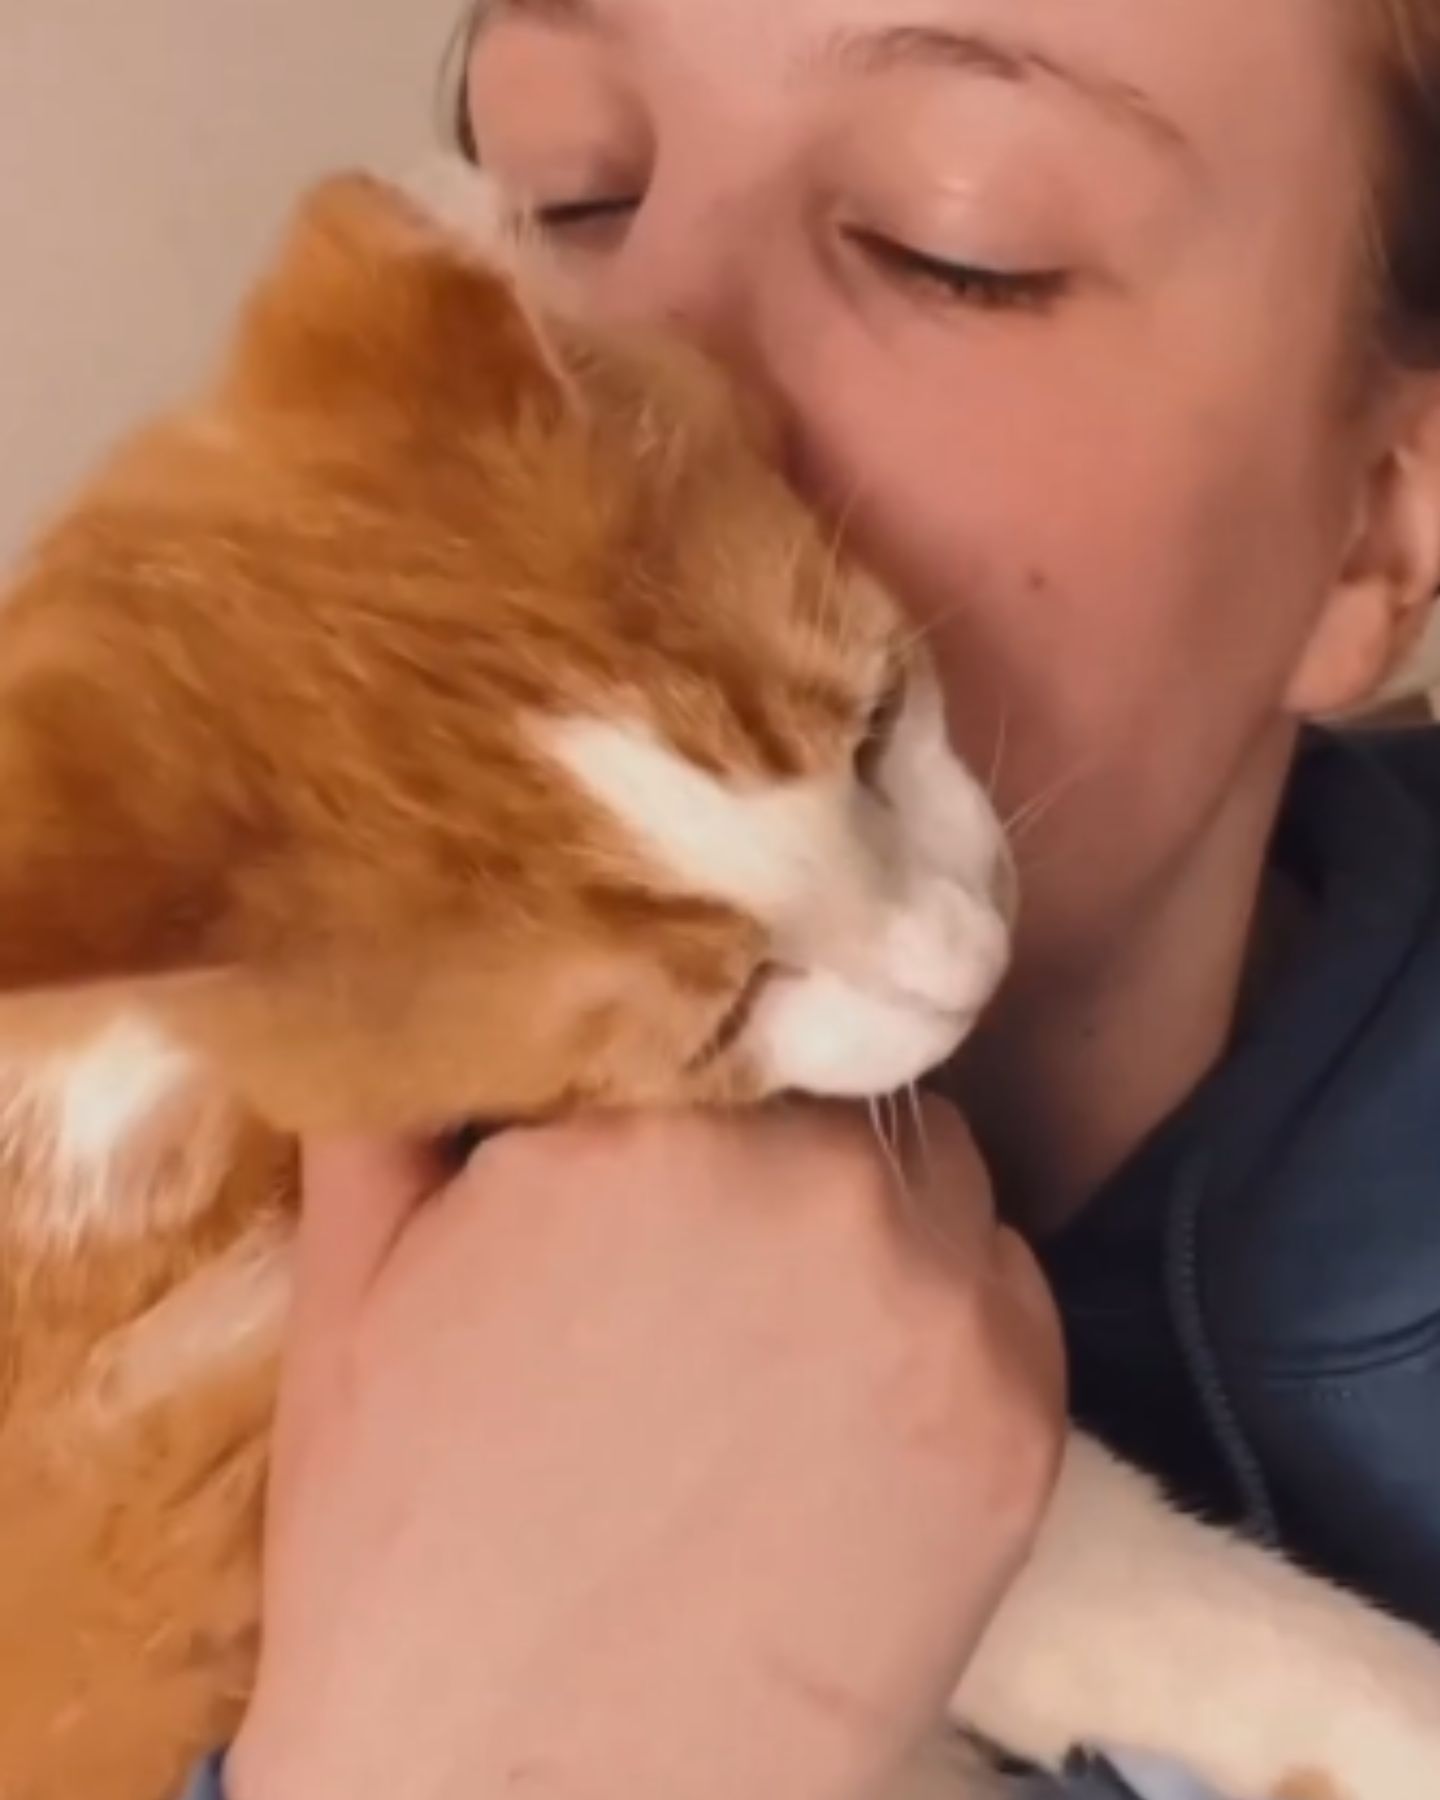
(357, 1196)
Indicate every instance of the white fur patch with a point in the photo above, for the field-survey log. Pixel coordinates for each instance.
(1135, 1627)
(885, 906)
(105, 1091)
(819, 1034)
(467, 204)
(67, 1118)
(487, 227)
(763, 849)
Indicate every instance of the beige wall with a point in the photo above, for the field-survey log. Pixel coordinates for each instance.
(147, 149)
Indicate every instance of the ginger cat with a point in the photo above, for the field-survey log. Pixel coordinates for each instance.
(450, 715)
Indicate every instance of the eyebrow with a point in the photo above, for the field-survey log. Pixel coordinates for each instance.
(974, 53)
(572, 15)
(925, 46)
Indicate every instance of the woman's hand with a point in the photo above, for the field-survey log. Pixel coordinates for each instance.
(677, 1459)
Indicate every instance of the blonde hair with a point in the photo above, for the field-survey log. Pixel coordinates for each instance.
(1402, 45)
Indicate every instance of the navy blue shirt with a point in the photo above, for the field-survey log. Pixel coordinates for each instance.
(1253, 1303)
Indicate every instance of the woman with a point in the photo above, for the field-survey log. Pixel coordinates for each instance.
(1109, 330)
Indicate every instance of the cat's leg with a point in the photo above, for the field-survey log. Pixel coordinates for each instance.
(1139, 1628)
(945, 1767)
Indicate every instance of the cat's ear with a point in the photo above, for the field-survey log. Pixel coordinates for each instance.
(383, 296)
(111, 868)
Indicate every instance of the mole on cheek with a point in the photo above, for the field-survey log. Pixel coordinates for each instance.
(1308, 1784)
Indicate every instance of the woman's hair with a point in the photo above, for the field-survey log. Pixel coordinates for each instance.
(1404, 45)
(1402, 48)
(454, 81)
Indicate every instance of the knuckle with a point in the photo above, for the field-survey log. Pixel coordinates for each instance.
(532, 1161)
(960, 1375)
(1025, 1467)
(1025, 1427)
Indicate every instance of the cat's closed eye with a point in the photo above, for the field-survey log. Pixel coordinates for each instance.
(737, 1016)
(878, 731)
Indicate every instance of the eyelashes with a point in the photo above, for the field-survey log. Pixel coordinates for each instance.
(974, 285)
(1029, 290)
(582, 225)
(573, 215)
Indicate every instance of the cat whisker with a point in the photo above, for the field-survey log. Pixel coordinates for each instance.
(889, 1150)
(917, 1125)
(925, 1220)
(1023, 822)
(997, 759)
(927, 628)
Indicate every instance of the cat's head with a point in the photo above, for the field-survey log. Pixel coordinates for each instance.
(454, 713)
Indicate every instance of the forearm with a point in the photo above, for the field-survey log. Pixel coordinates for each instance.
(1090, 1778)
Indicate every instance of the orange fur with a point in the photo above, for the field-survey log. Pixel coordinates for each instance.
(285, 847)
(261, 696)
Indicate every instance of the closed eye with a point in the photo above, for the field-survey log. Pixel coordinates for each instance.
(578, 218)
(996, 289)
(879, 728)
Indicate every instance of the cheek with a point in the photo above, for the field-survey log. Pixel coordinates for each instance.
(1118, 579)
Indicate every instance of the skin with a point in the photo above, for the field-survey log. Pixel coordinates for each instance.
(1152, 520)
(1142, 520)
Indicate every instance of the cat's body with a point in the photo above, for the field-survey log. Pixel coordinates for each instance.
(445, 720)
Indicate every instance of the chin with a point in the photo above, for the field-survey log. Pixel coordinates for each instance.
(816, 1035)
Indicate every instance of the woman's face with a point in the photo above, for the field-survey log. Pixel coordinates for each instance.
(1051, 295)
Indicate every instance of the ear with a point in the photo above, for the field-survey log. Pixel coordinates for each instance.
(1380, 607)
(111, 869)
(381, 296)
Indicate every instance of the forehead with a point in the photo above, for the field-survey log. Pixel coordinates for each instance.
(1229, 78)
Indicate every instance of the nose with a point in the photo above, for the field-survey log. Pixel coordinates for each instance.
(699, 265)
(694, 266)
(682, 261)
